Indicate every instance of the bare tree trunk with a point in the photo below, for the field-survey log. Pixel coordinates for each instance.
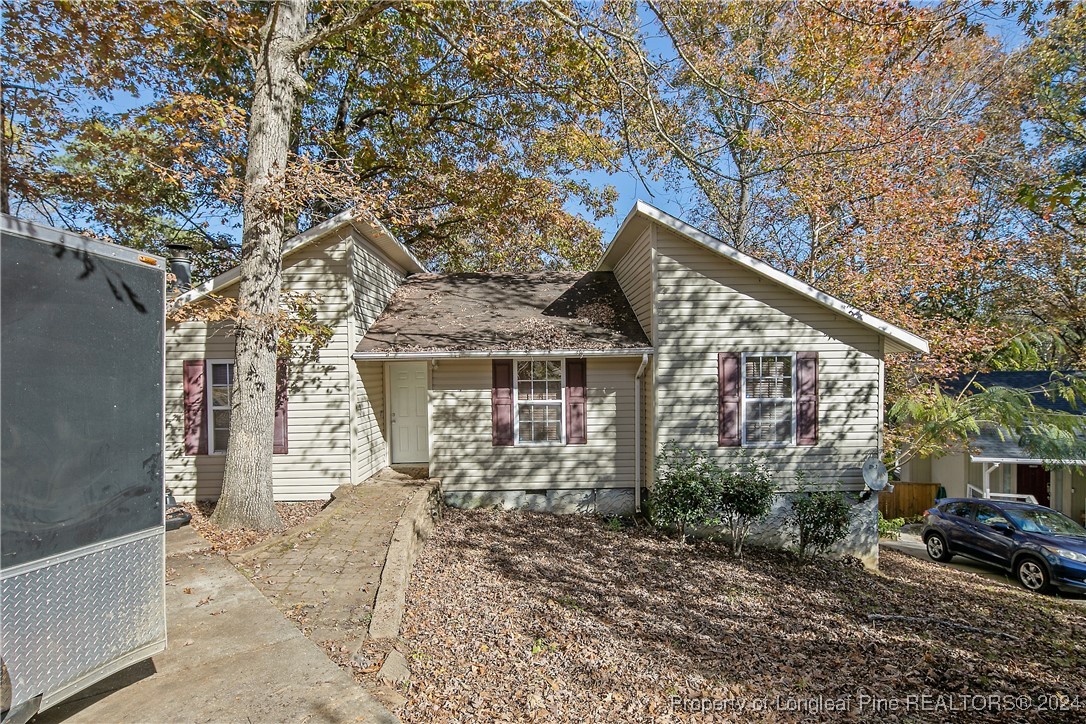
(5, 182)
(246, 499)
(744, 207)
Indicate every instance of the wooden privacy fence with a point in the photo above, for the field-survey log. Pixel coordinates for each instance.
(907, 499)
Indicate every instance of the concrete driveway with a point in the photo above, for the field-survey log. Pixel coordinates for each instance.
(233, 658)
(913, 546)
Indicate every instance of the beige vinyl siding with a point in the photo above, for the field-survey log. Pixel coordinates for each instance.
(372, 434)
(648, 419)
(463, 456)
(706, 304)
(952, 472)
(917, 470)
(199, 476)
(374, 280)
(319, 441)
(634, 275)
(1075, 496)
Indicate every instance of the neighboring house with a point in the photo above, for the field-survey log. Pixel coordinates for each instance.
(551, 391)
(999, 464)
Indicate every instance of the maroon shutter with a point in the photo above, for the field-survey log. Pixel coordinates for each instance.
(195, 407)
(279, 447)
(501, 403)
(729, 404)
(576, 399)
(806, 398)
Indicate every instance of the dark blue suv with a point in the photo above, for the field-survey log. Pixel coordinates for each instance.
(1041, 547)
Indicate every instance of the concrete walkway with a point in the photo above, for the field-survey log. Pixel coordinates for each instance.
(324, 575)
(233, 658)
(913, 546)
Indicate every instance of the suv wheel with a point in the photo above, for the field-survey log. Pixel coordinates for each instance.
(938, 550)
(1032, 574)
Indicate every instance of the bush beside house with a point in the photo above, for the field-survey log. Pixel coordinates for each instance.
(694, 494)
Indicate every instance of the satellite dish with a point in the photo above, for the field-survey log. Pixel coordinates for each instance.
(875, 474)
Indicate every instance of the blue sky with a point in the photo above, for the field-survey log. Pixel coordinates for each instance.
(626, 182)
(675, 202)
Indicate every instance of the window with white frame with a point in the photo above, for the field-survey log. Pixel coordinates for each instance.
(539, 408)
(221, 375)
(769, 399)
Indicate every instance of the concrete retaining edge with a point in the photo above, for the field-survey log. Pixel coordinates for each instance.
(414, 527)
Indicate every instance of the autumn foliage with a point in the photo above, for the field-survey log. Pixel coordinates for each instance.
(899, 156)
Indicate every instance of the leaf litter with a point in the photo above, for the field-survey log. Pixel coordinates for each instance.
(516, 616)
(230, 541)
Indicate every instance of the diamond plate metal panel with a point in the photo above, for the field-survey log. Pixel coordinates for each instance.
(64, 619)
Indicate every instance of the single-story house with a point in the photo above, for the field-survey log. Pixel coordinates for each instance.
(550, 390)
(998, 463)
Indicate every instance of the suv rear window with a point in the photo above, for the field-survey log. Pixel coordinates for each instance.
(960, 508)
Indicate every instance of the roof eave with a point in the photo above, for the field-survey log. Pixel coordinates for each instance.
(394, 247)
(634, 213)
(1025, 461)
(502, 353)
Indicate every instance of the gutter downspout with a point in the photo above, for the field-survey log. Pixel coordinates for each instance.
(637, 431)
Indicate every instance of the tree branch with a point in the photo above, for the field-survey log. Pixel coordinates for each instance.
(318, 36)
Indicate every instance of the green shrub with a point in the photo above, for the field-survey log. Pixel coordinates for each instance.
(687, 489)
(819, 519)
(746, 497)
(890, 527)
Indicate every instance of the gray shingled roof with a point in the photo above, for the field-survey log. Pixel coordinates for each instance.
(990, 444)
(506, 312)
(1028, 380)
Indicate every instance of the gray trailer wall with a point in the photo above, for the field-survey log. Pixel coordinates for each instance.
(81, 384)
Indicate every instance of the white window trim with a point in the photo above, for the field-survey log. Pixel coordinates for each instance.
(743, 399)
(561, 402)
(209, 408)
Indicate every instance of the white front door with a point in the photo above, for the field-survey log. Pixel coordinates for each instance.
(408, 412)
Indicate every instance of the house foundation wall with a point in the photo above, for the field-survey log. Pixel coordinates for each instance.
(862, 540)
(593, 502)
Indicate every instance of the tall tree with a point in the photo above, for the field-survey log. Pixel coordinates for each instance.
(845, 143)
(1046, 102)
(459, 124)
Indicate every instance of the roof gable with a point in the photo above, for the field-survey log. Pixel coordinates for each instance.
(899, 339)
(373, 231)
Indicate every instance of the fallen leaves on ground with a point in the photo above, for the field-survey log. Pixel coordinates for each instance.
(228, 541)
(524, 616)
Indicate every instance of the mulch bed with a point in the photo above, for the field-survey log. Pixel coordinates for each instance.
(518, 616)
(229, 541)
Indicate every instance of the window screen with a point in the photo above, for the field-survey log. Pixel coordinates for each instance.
(769, 399)
(539, 401)
(222, 382)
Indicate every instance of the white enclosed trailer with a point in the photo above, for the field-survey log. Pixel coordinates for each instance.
(82, 541)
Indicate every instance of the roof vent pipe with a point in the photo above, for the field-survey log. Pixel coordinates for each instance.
(180, 263)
